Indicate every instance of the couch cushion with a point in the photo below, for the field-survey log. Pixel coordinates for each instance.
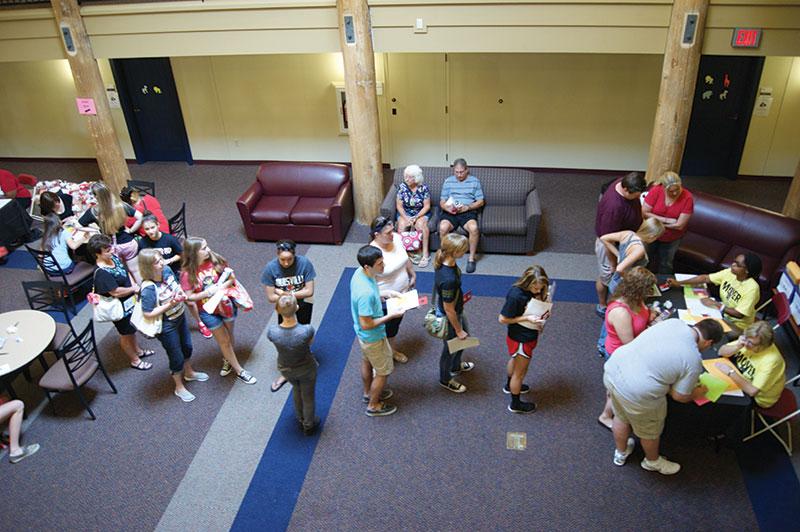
(702, 253)
(304, 179)
(273, 209)
(312, 211)
(502, 220)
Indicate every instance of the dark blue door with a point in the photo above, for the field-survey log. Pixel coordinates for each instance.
(723, 102)
(152, 111)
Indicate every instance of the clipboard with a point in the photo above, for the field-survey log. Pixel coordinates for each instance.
(457, 344)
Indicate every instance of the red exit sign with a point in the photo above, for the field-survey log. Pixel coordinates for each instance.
(746, 38)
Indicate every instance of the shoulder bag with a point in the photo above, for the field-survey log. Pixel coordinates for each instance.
(104, 308)
(436, 325)
(149, 327)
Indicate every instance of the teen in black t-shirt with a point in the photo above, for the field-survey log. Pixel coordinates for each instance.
(523, 333)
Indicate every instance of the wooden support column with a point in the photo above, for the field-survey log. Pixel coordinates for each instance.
(89, 84)
(678, 77)
(362, 107)
(791, 207)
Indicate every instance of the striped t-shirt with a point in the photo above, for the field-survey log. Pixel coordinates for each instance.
(463, 192)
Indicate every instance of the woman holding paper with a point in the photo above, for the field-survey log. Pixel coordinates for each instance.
(203, 274)
(627, 316)
(398, 274)
(450, 302)
(111, 278)
(525, 319)
(673, 205)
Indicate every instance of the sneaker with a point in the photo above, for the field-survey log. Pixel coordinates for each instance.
(471, 266)
(621, 457)
(226, 369)
(454, 386)
(198, 376)
(465, 367)
(205, 331)
(27, 451)
(523, 408)
(600, 311)
(309, 431)
(185, 395)
(384, 410)
(385, 394)
(523, 389)
(246, 378)
(662, 465)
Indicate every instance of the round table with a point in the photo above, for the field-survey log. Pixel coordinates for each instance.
(35, 329)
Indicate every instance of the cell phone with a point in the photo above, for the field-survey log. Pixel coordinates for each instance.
(467, 296)
(664, 287)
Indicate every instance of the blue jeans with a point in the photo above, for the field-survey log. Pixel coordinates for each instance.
(214, 321)
(176, 341)
(450, 363)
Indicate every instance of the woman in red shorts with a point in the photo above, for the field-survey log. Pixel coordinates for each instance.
(523, 333)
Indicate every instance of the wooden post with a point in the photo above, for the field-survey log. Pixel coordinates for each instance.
(89, 84)
(791, 207)
(355, 37)
(678, 78)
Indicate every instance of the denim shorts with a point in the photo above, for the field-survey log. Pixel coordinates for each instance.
(214, 321)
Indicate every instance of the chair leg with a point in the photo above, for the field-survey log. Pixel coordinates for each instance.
(50, 400)
(108, 379)
(43, 362)
(771, 428)
(84, 403)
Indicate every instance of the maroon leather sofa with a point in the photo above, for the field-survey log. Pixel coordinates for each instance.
(306, 202)
(721, 228)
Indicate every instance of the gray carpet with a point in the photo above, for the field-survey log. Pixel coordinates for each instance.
(441, 463)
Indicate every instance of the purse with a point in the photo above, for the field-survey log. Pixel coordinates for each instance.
(412, 240)
(149, 327)
(436, 325)
(104, 308)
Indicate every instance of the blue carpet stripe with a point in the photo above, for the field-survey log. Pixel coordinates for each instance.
(20, 259)
(269, 503)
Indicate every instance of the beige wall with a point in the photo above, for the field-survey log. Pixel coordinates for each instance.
(39, 114)
(773, 141)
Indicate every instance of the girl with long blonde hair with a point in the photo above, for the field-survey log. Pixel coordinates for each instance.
(523, 332)
(201, 271)
(450, 303)
(110, 215)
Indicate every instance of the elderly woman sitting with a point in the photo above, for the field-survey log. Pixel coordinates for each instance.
(413, 207)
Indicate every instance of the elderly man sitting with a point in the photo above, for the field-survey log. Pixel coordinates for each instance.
(460, 200)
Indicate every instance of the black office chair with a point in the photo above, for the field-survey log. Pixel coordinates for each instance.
(48, 296)
(73, 281)
(78, 361)
(144, 187)
(177, 224)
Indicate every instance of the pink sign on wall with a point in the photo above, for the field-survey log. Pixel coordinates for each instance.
(86, 106)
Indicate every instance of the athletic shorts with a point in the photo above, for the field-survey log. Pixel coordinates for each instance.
(522, 349)
(460, 219)
(603, 262)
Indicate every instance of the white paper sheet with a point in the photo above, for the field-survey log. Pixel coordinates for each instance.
(536, 308)
(684, 276)
(405, 302)
(699, 309)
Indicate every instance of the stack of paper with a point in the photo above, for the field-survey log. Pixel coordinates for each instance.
(406, 301)
(537, 309)
(696, 307)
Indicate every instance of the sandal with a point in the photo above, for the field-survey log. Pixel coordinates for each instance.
(424, 261)
(399, 357)
(146, 353)
(273, 388)
(142, 365)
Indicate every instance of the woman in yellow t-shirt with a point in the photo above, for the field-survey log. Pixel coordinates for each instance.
(760, 369)
(738, 290)
(760, 373)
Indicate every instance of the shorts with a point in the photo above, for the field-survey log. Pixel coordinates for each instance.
(379, 355)
(603, 262)
(647, 423)
(214, 321)
(124, 326)
(522, 349)
(459, 220)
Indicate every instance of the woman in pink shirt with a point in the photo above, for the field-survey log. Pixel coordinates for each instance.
(672, 205)
(626, 317)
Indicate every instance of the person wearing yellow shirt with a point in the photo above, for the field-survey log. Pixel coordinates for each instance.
(760, 373)
(738, 290)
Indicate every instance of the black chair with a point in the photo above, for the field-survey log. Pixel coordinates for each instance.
(48, 296)
(177, 224)
(73, 281)
(144, 187)
(78, 361)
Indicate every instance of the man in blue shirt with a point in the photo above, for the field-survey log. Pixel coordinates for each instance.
(368, 322)
(460, 200)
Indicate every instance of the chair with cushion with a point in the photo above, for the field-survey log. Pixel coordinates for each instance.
(306, 202)
(78, 361)
(144, 187)
(783, 411)
(177, 224)
(73, 281)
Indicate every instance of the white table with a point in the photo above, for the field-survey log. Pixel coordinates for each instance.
(34, 332)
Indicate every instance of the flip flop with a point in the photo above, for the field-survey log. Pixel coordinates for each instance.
(604, 425)
(273, 389)
(142, 365)
(146, 353)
